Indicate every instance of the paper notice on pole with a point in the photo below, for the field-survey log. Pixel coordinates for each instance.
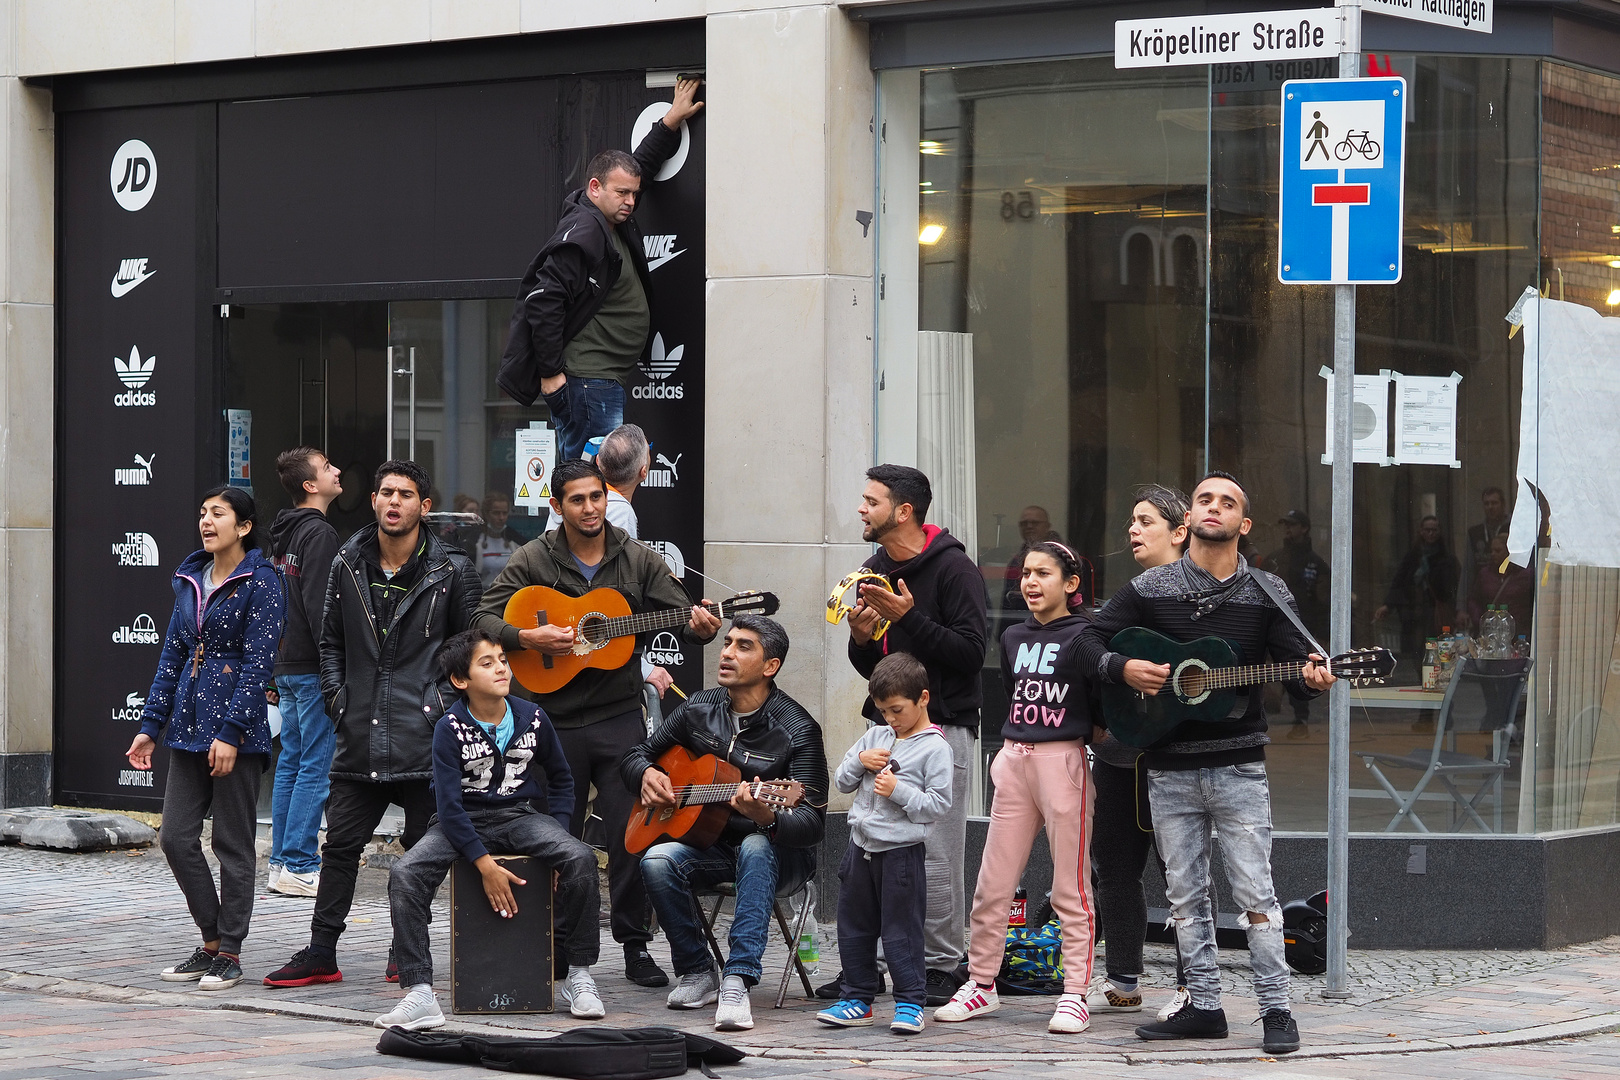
(535, 450)
(239, 449)
(1426, 419)
(1369, 418)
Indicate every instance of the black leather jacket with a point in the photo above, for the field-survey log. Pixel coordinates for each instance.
(780, 741)
(382, 684)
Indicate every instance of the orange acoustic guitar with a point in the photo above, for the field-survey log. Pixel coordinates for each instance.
(703, 789)
(604, 629)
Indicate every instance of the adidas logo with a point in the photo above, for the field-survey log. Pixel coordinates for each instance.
(658, 368)
(131, 272)
(134, 373)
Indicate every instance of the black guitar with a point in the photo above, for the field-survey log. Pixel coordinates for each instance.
(1204, 679)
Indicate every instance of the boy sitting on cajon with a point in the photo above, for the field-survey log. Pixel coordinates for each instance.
(488, 752)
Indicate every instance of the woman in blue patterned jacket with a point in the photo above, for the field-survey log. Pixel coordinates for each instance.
(209, 690)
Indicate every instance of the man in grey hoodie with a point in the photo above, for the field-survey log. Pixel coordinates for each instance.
(901, 771)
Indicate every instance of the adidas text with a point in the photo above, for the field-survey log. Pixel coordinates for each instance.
(658, 392)
(134, 398)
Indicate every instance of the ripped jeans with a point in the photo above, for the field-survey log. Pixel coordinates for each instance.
(1234, 803)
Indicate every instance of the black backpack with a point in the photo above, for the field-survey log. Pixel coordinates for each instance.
(596, 1053)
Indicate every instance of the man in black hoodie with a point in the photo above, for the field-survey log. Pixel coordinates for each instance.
(581, 320)
(938, 614)
(303, 545)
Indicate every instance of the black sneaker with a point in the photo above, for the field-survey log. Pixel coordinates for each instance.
(1282, 1034)
(641, 969)
(304, 969)
(833, 991)
(943, 985)
(1190, 1022)
(225, 973)
(391, 972)
(189, 970)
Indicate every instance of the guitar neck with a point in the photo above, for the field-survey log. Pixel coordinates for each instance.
(1255, 674)
(704, 794)
(647, 621)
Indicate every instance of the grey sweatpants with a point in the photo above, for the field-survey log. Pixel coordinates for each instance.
(187, 798)
(947, 857)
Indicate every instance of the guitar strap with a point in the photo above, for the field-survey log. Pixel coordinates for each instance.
(1263, 580)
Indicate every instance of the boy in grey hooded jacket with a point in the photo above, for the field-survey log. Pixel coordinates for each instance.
(901, 772)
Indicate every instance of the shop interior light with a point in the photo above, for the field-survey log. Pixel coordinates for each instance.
(931, 233)
(1614, 298)
(931, 146)
(1615, 263)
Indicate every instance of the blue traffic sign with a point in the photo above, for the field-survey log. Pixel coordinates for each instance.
(1342, 181)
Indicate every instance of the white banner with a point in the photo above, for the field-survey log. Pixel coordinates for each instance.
(1462, 14)
(1223, 39)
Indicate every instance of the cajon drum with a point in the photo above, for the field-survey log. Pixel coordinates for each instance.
(501, 965)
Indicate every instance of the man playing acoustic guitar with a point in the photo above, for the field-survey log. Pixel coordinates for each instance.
(597, 713)
(766, 851)
(1212, 775)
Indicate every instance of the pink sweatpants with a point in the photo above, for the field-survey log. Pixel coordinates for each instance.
(1037, 784)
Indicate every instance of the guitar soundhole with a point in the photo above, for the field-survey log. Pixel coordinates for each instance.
(593, 629)
(1192, 684)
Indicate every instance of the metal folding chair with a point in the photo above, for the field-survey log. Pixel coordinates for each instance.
(709, 914)
(1483, 696)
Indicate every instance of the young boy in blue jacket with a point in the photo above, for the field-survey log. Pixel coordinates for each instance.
(488, 750)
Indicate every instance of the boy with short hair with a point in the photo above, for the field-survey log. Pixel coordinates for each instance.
(486, 749)
(901, 771)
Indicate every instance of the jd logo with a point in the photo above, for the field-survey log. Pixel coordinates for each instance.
(659, 250)
(131, 272)
(133, 175)
(658, 369)
(134, 373)
(665, 651)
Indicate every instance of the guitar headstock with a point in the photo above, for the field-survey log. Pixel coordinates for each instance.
(783, 794)
(750, 603)
(1364, 667)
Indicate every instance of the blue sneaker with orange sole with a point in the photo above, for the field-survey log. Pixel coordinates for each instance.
(847, 1013)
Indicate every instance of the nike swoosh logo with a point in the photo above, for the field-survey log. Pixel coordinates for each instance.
(661, 260)
(120, 288)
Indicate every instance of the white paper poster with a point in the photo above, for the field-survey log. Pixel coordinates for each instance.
(536, 449)
(239, 471)
(1369, 418)
(1426, 419)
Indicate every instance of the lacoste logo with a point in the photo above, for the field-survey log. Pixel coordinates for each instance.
(131, 272)
(659, 250)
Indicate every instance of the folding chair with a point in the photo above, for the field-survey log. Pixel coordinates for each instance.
(1483, 696)
(709, 915)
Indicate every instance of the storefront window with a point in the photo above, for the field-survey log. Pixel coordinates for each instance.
(1087, 300)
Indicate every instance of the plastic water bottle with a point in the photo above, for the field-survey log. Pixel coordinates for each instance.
(1521, 647)
(810, 938)
(1510, 629)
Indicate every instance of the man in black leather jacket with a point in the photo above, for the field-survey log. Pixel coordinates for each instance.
(396, 593)
(767, 852)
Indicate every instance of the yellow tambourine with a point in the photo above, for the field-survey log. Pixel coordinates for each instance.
(846, 594)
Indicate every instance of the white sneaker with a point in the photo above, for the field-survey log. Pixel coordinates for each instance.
(1174, 1005)
(1070, 1017)
(971, 1000)
(580, 993)
(695, 990)
(275, 876)
(734, 1013)
(291, 884)
(416, 1011)
(1110, 998)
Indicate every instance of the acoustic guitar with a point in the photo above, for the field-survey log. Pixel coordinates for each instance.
(604, 629)
(703, 790)
(1204, 679)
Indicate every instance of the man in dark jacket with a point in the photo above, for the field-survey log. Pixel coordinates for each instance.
(1307, 576)
(766, 851)
(303, 544)
(597, 713)
(396, 594)
(938, 614)
(582, 319)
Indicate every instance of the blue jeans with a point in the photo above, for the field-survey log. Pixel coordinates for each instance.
(1233, 802)
(302, 774)
(756, 866)
(582, 410)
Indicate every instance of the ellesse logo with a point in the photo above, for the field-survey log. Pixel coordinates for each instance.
(142, 630)
(134, 373)
(658, 368)
(665, 650)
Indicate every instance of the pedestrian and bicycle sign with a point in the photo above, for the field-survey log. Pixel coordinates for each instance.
(1342, 181)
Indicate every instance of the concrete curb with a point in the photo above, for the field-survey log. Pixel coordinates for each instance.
(28, 982)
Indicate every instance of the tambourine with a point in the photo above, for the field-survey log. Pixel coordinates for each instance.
(846, 594)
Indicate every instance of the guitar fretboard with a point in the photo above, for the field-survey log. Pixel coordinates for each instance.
(1254, 674)
(646, 621)
(700, 794)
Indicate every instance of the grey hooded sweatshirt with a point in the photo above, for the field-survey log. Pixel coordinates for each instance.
(922, 789)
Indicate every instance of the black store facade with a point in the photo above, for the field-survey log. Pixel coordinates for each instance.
(1082, 261)
(325, 250)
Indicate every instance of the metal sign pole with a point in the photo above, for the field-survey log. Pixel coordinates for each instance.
(1344, 389)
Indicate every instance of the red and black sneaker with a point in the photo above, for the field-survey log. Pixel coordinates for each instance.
(391, 972)
(305, 969)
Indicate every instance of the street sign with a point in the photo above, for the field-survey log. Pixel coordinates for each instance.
(1342, 186)
(1219, 39)
(1462, 14)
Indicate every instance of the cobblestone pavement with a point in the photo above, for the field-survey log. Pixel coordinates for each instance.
(87, 934)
